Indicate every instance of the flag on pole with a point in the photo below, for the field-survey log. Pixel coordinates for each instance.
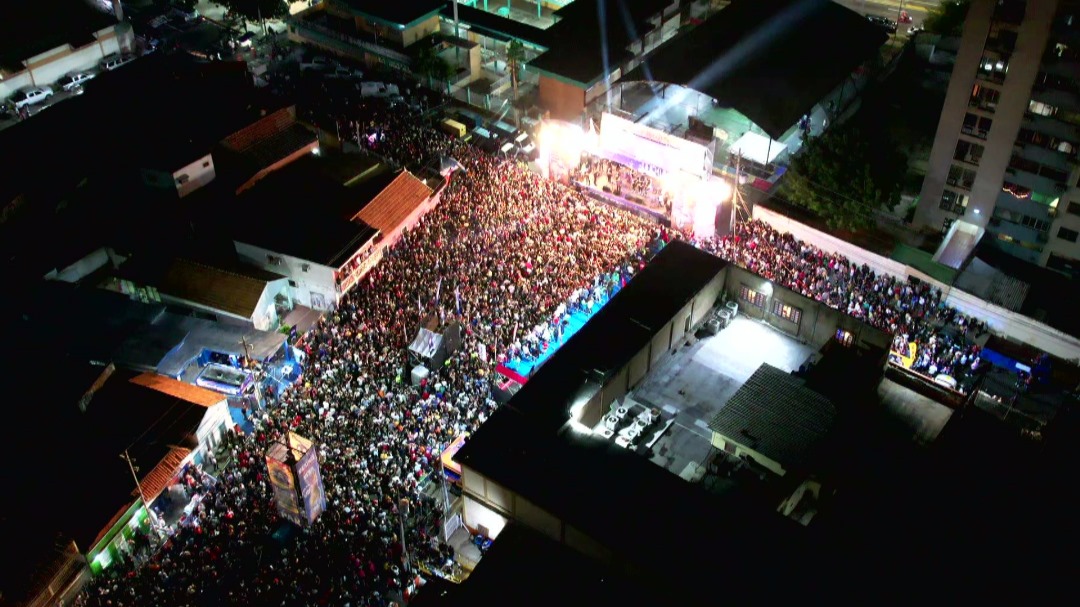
(419, 305)
(457, 299)
(438, 289)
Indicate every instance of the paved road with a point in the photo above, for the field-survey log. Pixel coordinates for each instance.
(916, 9)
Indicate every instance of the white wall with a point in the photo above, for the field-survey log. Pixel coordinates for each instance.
(214, 422)
(266, 316)
(81, 268)
(1000, 320)
(317, 279)
(48, 67)
(198, 174)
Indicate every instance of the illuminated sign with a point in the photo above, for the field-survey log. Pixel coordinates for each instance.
(311, 487)
(283, 482)
(660, 151)
(293, 467)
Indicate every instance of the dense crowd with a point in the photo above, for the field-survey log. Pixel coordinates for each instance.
(505, 253)
(913, 312)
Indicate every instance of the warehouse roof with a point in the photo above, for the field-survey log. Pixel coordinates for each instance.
(771, 60)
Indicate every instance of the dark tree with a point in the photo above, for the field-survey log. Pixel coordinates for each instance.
(844, 175)
(947, 18)
(257, 10)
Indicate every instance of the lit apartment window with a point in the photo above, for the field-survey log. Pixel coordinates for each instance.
(993, 69)
(1040, 108)
(1067, 234)
(953, 202)
(788, 313)
(751, 296)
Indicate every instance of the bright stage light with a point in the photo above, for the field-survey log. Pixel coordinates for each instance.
(562, 142)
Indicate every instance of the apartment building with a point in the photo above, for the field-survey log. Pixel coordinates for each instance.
(1005, 158)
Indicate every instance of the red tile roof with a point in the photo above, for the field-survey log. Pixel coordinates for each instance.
(260, 130)
(397, 201)
(186, 392)
(158, 479)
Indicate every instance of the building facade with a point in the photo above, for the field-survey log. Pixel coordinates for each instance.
(1005, 157)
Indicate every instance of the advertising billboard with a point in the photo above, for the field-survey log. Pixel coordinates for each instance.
(311, 487)
(283, 482)
(650, 150)
(293, 467)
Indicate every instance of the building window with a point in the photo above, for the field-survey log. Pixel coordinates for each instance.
(1040, 108)
(205, 164)
(984, 98)
(846, 338)
(993, 69)
(1074, 208)
(788, 313)
(959, 177)
(751, 296)
(1067, 234)
(976, 126)
(274, 260)
(304, 267)
(953, 202)
(292, 283)
(968, 152)
(182, 179)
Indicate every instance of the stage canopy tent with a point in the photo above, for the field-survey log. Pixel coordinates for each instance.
(426, 344)
(757, 148)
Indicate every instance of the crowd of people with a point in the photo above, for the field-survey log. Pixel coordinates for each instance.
(507, 255)
(913, 312)
(503, 253)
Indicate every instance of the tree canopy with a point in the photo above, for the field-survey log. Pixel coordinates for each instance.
(844, 175)
(947, 18)
(253, 10)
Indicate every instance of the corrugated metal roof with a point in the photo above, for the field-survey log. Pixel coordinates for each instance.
(774, 414)
(213, 287)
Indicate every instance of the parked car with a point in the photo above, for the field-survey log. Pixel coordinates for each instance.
(247, 40)
(316, 64)
(115, 60)
(915, 29)
(31, 95)
(74, 80)
(345, 73)
(884, 23)
(186, 15)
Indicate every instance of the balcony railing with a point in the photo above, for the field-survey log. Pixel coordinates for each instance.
(322, 30)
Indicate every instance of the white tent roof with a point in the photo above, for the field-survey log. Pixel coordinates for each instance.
(426, 344)
(757, 148)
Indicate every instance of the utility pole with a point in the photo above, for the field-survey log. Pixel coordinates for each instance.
(735, 192)
(154, 523)
(403, 509)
